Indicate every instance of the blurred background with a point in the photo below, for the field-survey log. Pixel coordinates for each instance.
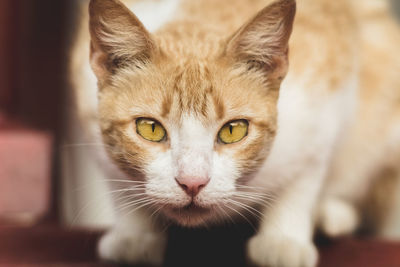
(35, 37)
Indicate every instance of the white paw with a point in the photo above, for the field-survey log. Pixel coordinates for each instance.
(139, 248)
(275, 250)
(338, 218)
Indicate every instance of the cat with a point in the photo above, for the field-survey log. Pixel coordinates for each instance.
(214, 110)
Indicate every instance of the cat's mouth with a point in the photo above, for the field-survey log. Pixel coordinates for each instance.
(191, 214)
(191, 208)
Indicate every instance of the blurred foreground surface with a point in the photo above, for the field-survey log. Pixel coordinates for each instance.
(53, 246)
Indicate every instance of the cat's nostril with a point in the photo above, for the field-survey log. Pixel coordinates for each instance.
(184, 187)
(192, 185)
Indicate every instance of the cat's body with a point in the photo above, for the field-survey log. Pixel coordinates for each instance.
(312, 155)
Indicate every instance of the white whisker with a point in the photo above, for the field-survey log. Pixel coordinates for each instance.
(239, 213)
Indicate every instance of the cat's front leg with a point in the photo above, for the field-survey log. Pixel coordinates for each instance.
(135, 239)
(285, 235)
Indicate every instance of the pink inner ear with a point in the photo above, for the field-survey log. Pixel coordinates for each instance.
(98, 60)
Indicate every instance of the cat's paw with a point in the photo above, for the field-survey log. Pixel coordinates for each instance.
(140, 248)
(273, 250)
(338, 217)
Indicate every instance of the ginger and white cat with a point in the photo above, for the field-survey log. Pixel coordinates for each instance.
(214, 108)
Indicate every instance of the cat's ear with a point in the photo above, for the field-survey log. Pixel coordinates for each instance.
(118, 38)
(263, 41)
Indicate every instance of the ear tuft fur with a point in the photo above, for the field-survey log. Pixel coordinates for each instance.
(262, 43)
(118, 38)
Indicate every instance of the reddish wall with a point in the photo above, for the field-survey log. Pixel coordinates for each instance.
(33, 60)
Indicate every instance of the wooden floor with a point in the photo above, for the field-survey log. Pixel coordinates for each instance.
(55, 246)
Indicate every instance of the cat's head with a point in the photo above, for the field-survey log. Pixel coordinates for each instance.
(192, 116)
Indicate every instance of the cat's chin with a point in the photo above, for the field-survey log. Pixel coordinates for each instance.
(190, 215)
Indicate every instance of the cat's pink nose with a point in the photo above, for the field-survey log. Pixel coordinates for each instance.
(192, 185)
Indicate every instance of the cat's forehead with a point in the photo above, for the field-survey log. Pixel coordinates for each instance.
(187, 42)
(212, 92)
(203, 88)
(193, 90)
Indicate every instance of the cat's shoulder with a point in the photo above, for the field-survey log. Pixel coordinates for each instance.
(153, 13)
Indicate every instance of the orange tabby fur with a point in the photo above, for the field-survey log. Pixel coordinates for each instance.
(210, 61)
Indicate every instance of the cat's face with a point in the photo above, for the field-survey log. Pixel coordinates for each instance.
(195, 124)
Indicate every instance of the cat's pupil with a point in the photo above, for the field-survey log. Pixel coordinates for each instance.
(153, 127)
(230, 128)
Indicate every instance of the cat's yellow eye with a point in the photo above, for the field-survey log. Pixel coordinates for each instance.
(233, 131)
(150, 129)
